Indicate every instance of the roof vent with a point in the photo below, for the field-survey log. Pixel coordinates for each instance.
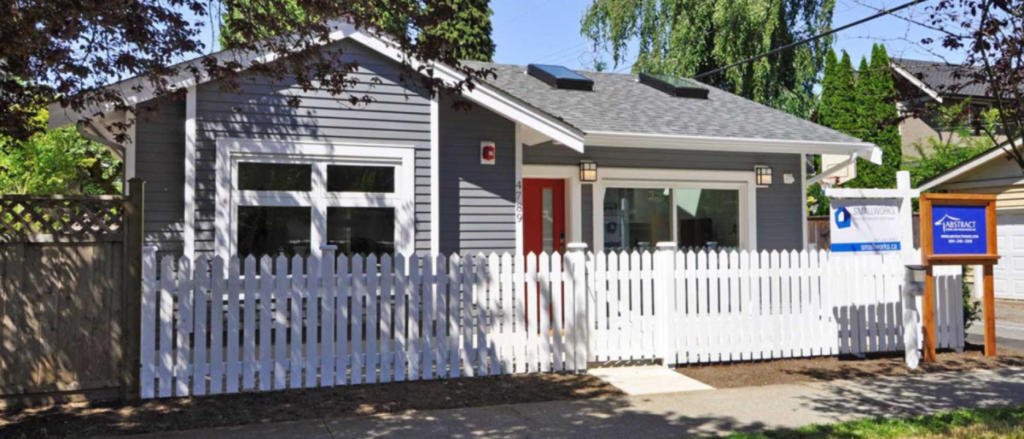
(678, 87)
(560, 77)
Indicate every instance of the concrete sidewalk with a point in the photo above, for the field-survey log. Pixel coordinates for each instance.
(708, 412)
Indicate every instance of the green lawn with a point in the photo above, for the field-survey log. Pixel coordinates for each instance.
(962, 424)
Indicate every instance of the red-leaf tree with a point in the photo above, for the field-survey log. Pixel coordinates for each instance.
(991, 34)
(67, 50)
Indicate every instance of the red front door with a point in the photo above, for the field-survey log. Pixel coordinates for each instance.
(543, 215)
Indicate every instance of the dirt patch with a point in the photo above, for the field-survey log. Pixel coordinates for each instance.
(84, 420)
(843, 368)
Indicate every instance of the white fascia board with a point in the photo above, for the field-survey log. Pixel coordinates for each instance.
(973, 164)
(732, 144)
(917, 82)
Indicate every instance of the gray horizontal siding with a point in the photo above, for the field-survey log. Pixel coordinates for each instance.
(778, 206)
(477, 201)
(399, 113)
(160, 161)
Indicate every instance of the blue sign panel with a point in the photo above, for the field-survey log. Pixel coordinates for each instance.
(959, 230)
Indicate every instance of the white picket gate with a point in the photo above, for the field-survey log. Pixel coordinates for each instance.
(254, 325)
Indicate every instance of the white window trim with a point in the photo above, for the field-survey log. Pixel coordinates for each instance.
(228, 198)
(189, 232)
(744, 182)
(574, 200)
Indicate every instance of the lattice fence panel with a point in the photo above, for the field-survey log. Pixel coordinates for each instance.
(68, 216)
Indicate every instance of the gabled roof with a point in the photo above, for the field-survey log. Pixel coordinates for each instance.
(939, 79)
(967, 166)
(618, 112)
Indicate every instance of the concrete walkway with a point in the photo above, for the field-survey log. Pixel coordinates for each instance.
(708, 412)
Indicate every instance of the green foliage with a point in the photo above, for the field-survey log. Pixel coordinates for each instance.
(972, 308)
(467, 33)
(838, 107)
(986, 423)
(57, 162)
(878, 122)
(938, 156)
(687, 37)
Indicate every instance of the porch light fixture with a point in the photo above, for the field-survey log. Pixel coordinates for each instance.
(588, 171)
(764, 175)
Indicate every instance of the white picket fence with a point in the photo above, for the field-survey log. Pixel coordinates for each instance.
(255, 325)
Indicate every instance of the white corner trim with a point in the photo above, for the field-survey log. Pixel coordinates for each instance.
(435, 177)
(917, 82)
(967, 167)
(731, 144)
(571, 175)
(189, 232)
(803, 200)
(518, 205)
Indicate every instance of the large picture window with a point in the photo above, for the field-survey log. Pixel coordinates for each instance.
(291, 199)
(638, 208)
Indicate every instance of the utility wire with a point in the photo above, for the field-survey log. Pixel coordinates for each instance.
(880, 14)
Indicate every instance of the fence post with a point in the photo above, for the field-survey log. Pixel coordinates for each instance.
(581, 305)
(664, 283)
(131, 297)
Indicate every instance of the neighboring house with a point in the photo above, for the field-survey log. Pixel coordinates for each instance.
(992, 172)
(539, 162)
(925, 86)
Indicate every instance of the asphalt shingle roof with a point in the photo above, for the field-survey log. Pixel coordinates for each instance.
(619, 103)
(942, 77)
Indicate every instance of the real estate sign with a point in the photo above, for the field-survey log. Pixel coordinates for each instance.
(859, 225)
(959, 230)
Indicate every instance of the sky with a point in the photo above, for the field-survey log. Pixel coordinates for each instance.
(548, 32)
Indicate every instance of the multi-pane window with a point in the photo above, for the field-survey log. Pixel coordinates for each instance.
(292, 206)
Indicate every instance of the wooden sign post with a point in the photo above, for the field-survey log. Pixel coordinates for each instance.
(958, 229)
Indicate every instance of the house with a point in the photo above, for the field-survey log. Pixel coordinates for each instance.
(547, 156)
(993, 172)
(923, 88)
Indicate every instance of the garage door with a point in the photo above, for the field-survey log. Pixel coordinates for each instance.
(1009, 274)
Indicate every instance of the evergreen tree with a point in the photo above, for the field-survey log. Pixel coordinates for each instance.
(468, 33)
(838, 108)
(879, 119)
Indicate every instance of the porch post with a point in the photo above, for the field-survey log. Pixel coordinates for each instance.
(664, 295)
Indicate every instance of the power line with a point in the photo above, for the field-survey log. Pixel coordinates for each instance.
(517, 17)
(880, 14)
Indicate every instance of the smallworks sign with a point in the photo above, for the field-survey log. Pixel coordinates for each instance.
(959, 230)
(865, 225)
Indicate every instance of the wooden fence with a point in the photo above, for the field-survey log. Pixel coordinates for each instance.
(227, 326)
(65, 297)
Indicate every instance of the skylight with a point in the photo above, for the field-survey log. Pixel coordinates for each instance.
(560, 77)
(678, 87)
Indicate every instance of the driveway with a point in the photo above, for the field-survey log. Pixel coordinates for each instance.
(1009, 326)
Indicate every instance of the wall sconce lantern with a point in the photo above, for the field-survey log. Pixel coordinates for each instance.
(588, 171)
(764, 175)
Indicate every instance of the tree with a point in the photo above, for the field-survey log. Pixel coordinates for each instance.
(67, 50)
(688, 37)
(937, 156)
(467, 33)
(838, 107)
(57, 162)
(878, 122)
(989, 33)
